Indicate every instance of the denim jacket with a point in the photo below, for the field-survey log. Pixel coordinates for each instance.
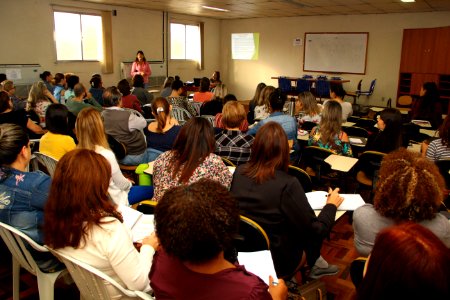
(22, 199)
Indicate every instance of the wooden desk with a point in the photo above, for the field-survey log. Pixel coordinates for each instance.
(294, 79)
(340, 162)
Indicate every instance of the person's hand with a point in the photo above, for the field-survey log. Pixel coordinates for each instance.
(88, 94)
(142, 73)
(334, 197)
(151, 240)
(278, 291)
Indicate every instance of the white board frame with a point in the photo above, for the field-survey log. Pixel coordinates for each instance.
(335, 52)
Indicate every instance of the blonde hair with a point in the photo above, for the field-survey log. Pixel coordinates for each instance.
(90, 130)
(264, 96)
(7, 85)
(330, 124)
(220, 91)
(36, 94)
(233, 114)
(309, 102)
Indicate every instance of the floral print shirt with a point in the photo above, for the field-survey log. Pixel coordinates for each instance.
(211, 168)
(338, 146)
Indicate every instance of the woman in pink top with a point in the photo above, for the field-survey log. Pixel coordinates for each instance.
(140, 66)
(204, 95)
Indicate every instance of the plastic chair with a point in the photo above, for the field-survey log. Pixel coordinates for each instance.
(302, 177)
(21, 257)
(355, 93)
(147, 207)
(210, 118)
(371, 162)
(181, 114)
(367, 124)
(355, 131)
(252, 236)
(196, 106)
(322, 89)
(370, 91)
(91, 281)
(314, 158)
(227, 162)
(47, 161)
(405, 100)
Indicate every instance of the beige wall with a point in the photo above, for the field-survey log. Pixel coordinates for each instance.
(28, 38)
(278, 56)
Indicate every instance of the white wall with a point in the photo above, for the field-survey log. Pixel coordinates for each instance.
(28, 38)
(278, 56)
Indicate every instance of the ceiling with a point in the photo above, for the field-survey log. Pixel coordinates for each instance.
(243, 9)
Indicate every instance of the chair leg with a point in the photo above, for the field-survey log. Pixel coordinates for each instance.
(46, 284)
(16, 278)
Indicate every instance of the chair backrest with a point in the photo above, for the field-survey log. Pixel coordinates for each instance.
(308, 125)
(355, 131)
(444, 169)
(367, 124)
(372, 159)
(210, 118)
(323, 88)
(302, 177)
(181, 114)
(252, 236)
(147, 207)
(48, 162)
(91, 281)
(358, 89)
(314, 157)
(196, 106)
(353, 119)
(13, 239)
(227, 162)
(118, 148)
(405, 100)
(284, 84)
(303, 85)
(372, 86)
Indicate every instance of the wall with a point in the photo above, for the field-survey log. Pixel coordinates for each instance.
(29, 39)
(278, 56)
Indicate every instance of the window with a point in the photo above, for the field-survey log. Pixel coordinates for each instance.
(185, 42)
(78, 37)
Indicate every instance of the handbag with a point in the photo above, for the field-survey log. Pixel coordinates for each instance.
(313, 290)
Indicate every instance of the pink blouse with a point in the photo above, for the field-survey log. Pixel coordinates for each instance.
(144, 67)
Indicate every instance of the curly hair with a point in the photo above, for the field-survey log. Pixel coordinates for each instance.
(196, 222)
(410, 187)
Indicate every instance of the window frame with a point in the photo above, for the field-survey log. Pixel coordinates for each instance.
(201, 38)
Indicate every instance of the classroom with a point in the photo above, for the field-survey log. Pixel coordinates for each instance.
(340, 215)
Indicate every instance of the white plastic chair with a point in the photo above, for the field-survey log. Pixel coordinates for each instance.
(91, 281)
(181, 114)
(21, 257)
(48, 162)
(210, 118)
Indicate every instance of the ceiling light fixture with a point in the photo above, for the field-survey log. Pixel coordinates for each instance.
(215, 8)
(408, 0)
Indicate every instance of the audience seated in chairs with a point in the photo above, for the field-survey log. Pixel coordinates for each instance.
(407, 262)
(83, 223)
(177, 100)
(57, 141)
(23, 194)
(409, 188)
(126, 126)
(190, 159)
(161, 133)
(192, 263)
(275, 200)
(232, 143)
(328, 134)
(308, 107)
(91, 135)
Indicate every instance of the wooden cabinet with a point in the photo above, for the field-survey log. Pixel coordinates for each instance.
(425, 57)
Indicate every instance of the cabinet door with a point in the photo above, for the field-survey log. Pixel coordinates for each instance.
(411, 52)
(418, 80)
(441, 51)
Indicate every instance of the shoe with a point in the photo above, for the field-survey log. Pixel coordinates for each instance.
(317, 272)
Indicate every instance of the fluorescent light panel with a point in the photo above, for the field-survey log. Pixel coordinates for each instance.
(215, 8)
(408, 0)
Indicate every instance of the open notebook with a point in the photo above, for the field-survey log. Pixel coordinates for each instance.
(141, 225)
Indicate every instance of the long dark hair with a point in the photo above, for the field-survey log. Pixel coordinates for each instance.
(192, 145)
(390, 138)
(143, 56)
(270, 152)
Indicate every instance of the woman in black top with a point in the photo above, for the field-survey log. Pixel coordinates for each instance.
(389, 137)
(276, 200)
(428, 107)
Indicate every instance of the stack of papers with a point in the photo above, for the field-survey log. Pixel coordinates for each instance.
(318, 199)
(259, 263)
(140, 225)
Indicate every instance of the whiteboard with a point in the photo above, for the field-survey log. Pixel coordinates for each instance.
(336, 52)
(22, 74)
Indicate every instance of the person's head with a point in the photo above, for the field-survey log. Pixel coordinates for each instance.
(36, 93)
(308, 104)
(178, 212)
(124, 87)
(270, 152)
(410, 188)
(168, 82)
(96, 81)
(390, 123)
(233, 114)
(79, 90)
(56, 118)
(430, 91)
(5, 101)
(229, 97)
(59, 79)
(204, 84)
(112, 96)
(9, 87)
(73, 209)
(15, 145)
(72, 80)
(277, 99)
(407, 262)
(46, 76)
(138, 81)
(215, 76)
(331, 121)
(192, 145)
(258, 91)
(264, 97)
(177, 85)
(161, 112)
(90, 130)
(337, 91)
(220, 91)
(444, 131)
(140, 57)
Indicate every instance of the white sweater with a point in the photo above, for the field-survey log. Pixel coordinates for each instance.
(109, 248)
(119, 186)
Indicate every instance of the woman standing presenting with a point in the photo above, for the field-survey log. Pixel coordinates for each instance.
(140, 66)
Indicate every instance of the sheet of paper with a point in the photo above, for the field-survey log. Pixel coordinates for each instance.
(143, 228)
(149, 170)
(377, 109)
(231, 169)
(318, 199)
(341, 163)
(422, 123)
(355, 140)
(348, 124)
(13, 74)
(130, 216)
(259, 263)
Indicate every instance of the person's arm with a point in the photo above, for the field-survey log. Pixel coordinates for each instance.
(134, 69)
(431, 151)
(254, 129)
(346, 147)
(137, 106)
(136, 122)
(50, 96)
(278, 291)
(222, 174)
(34, 127)
(116, 174)
(94, 103)
(148, 97)
(147, 70)
(40, 191)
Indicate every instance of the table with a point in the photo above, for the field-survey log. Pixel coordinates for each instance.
(294, 79)
(341, 163)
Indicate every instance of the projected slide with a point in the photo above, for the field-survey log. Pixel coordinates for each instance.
(245, 46)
